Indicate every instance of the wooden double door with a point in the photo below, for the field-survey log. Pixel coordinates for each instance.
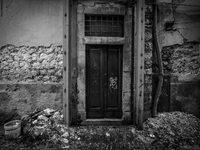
(103, 81)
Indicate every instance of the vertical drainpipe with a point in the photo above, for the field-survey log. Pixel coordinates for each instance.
(66, 60)
(139, 39)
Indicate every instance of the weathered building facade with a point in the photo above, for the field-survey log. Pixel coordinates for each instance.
(101, 56)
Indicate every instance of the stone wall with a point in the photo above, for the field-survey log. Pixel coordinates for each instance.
(31, 59)
(148, 60)
(182, 62)
(178, 29)
(26, 64)
(30, 78)
(179, 39)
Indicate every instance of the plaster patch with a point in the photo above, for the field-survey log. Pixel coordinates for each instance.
(171, 38)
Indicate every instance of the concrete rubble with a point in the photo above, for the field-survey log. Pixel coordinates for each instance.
(45, 125)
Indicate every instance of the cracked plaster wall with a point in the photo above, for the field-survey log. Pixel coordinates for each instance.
(185, 22)
(179, 39)
(31, 59)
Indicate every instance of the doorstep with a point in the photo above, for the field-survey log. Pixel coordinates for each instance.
(105, 121)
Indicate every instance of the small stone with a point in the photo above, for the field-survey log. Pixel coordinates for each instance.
(53, 78)
(45, 78)
(58, 73)
(39, 78)
(36, 65)
(50, 57)
(59, 57)
(152, 135)
(41, 117)
(50, 50)
(53, 63)
(43, 56)
(133, 130)
(22, 64)
(58, 49)
(54, 137)
(32, 50)
(66, 134)
(26, 56)
(107, 134)
(34, 122)
(66, 141)
(48, 111)
(10, 60)
(34, 57)
(51, 72)
(60, 63)
(66, 147)
(33, 73)
(56, 117)
(43, 72)
(45, 64)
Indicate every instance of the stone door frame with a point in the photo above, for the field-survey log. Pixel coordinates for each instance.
(90, 7)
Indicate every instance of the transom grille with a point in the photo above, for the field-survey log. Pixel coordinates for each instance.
(104, 25)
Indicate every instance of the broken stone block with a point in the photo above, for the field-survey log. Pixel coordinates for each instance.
(48, 111)
(42, 117)
(57, 117)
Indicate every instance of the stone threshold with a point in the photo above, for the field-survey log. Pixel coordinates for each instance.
(104, 121)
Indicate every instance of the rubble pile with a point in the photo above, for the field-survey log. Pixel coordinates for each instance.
(174, 129)
(46, 125)
(45, 129)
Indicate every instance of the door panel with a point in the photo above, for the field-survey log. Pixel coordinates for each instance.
(113, 103)
(94, 83)
(103, 81)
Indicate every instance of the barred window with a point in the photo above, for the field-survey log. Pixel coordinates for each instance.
(104, 25)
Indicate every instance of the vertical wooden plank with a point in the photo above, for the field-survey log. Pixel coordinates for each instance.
(139, 62)
(74, 74)
(66, 60)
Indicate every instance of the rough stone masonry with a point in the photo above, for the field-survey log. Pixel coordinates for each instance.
(31, 64)
(31, 78)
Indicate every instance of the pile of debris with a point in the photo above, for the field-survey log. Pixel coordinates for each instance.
(45, 125)
(174, 129)
(171, 130)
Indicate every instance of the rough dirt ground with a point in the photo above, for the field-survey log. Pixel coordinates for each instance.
(167, 131)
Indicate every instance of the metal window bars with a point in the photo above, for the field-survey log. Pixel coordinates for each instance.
(104, 25)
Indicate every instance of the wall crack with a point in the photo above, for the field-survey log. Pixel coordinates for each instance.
(16, 13)
(184, 39)
(9, 4)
